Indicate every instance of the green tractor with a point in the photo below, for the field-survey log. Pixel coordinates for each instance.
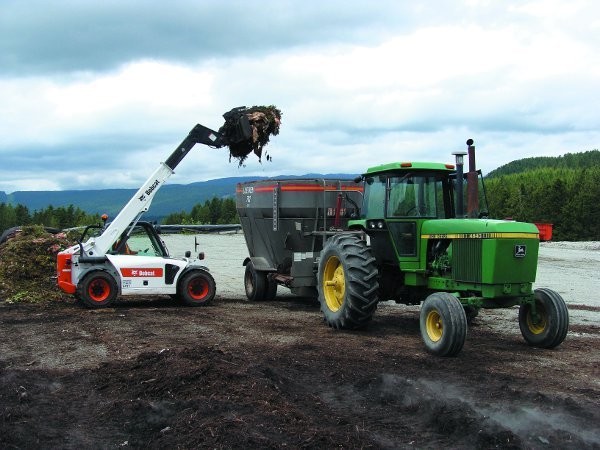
(419, 244)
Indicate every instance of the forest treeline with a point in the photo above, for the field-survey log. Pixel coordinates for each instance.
(567, 198)
(563, 190)
(60, 217)
(214, 211)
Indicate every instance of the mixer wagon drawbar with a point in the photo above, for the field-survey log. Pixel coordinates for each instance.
(398, 232)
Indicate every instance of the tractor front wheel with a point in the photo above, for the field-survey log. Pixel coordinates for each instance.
(98, 289)
(197, 288)
(443, 324)
(347, 282)
(546, 324)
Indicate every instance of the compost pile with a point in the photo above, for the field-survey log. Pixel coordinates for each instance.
(28, 263)
(264, 121)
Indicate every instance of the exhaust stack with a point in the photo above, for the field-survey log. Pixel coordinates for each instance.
(460, 209)
(472, 185)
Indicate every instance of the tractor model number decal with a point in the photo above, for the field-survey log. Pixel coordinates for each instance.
(131, 272)
(482, 236)
(248, 191)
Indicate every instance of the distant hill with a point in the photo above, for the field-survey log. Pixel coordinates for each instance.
(171, 198)
(568, 161)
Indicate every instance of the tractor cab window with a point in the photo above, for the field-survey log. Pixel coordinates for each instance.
(415, 195)
(139, 242)
(374, 199)
(477, 208)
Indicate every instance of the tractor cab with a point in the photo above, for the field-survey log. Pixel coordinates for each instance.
(398, 199)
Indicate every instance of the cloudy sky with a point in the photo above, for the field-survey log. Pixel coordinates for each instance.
(94, 94)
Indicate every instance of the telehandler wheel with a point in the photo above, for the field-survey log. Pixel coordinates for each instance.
(347, 282)
(98, 289)
(258, 285)
(197, 288)
(547, 326)
(443, 324)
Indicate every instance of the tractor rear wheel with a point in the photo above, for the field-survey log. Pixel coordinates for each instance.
(98, 289)
(347, 282)
(443, 324)
(257, 284)
(197, 288)
(547, 324)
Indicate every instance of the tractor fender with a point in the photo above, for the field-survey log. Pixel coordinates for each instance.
(260, 264)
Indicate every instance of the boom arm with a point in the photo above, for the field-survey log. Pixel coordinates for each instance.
(141, 200)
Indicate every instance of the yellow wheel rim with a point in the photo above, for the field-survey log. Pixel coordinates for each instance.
(334, 284)
(435, 326)
(538, 322)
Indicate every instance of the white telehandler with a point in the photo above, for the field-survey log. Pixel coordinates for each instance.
(127, 257)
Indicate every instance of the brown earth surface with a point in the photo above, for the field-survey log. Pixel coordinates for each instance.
(238, 375)
(148, 373)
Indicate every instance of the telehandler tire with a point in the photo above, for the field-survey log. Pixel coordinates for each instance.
(546, 327)
(257, 285)
(347, 282)
(197, 288)
(98, 289)
(443, 324)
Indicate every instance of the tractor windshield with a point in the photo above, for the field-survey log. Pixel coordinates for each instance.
(415, 196)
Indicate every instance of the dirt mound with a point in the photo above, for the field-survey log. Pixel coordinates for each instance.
(28, 265)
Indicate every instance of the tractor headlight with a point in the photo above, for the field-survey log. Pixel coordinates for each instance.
(376, 224)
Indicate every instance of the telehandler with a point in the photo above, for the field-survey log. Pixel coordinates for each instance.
(127, 257)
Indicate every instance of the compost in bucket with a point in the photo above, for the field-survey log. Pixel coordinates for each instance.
(264, 122)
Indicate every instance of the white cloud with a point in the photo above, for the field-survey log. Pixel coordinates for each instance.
(384, 84)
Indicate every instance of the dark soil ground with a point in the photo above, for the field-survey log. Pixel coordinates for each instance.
(151, 374)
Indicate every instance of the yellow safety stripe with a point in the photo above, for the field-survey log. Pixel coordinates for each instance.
(482, 236)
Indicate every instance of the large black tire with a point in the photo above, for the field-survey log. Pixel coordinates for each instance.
(443, 324)
(257, 284)
(347, 282)
(97, 289)
(548, 326)
(271, 291)
(471, 312)
(197, 288)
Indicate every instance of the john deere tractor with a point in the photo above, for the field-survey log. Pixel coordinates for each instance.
(414, 241)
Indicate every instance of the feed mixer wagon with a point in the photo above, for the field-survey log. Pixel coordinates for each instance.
(286, 223)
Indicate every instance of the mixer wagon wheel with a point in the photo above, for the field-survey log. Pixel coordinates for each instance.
(347, 282)
(547, 324)
(258, 286)
(197, 288)
(443, 324)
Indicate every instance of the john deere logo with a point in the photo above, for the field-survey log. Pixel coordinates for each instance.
(520, 251)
